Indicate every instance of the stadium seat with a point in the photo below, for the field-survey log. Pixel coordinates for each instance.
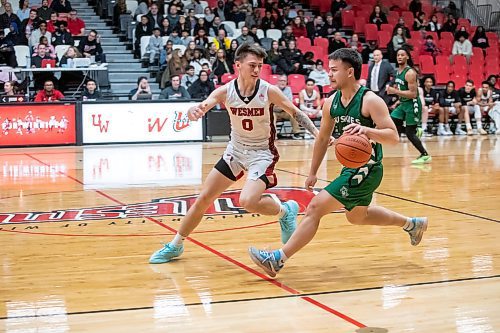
(348, 19)
(61, 49)
(327, 90)
(477, 76)
(426, 65)
(226, 77)
(266, 70)
(408, 17)
(459, 61)
(387, 27)
(433, 34)
(364, 71)
(459, 80)
(447, 35)
(442, 74)
(463, 22)
(144, 45)
(321, 42)
(303, 44)
(296, 82)
(371, 32)
(22, 55)
(273, 79)
(359, 25)
(384, 37)
(274, 34)
(416, 35)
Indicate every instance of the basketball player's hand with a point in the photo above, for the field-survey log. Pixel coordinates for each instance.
(331, 141)
(310, 182)
(390, 90)
(195, 113)
(355, 129)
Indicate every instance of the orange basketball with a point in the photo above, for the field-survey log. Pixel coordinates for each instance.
(353, 151)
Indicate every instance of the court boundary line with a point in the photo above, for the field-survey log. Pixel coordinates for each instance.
(304, 295)
(225, 257)
(408, 200)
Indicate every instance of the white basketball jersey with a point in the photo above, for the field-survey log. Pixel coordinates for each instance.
(251, 123)
(310, 100)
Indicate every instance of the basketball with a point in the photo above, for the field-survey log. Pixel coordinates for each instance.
(353, 151)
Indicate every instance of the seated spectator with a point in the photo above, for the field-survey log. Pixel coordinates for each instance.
(142, 29)
(315, 27)
(431, 101)
(165, 27)
(154, 46)
(91, 47)
(378, 17)
(434, 25)
(200, 24)
(420, 23)
(462, 31)
(198, 60)
(336, 43)
(221, 41)
(337, 7)
(273, 55)
(90, 93)
(280, 114)
(244, 37)
(450, 25)
(7, 52)
(62, 36)
(173, 16)
(9, 88)
(76, 26)
(7, 18)
(462, 46)
(48, 93)
(154, 17)
(429, 47)
(253, 18)
(298, 28)
(72, 78)
(449, 101)
(469, 106)
(166, 52)
(196, 6)
(319, 75)
(202, 87)
(221, 65)
(175, 38)
(485, 102)
(398, 39)
(267, 22)
(61, 6)
(175, 91)
(480, 39)
(286, 37)
(24, 10)
(307, 63)
(45, 11)
(230, 54)
(452, 10)
(189, 77)
(49, 49)
(40, 32)
(209, 15)
(52, 23)
(310, 100)
(355, 44)
(119, 9)
(401, 24)
(192, 20)
(330, 26)
(36, 62)
(186, 38)
(211, 53)
(201, 40)
(143, 90)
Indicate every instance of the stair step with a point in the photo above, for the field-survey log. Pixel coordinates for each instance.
(126, 87)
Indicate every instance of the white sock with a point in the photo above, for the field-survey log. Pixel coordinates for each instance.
(409, 225)
(468, 126)
(282, 211)
(479, 124)
(441, 126)
(178, 240)
(283, 256)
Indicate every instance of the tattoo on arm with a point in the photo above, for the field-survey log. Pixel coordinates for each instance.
(305, 122)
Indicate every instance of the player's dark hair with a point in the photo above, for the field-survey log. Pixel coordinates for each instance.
(486, 82)
(246, 48)
(351, 57)
(428, 77)
(310, 80)
(407, 49)
(452, 82)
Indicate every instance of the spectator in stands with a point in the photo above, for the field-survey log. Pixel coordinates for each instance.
(298, 28)
(143, 90)
(61, 6)
(45, 11)
(178, 4)
(319, 75)
(220, 10)
(200, 24)
(286, 37)
(401, 24)
(336, 43)
(76, 26)
(398, 39)
(176, 66)
(415, 7)
(431, 102)
(176, 91)
(24, 10)
(230, 54)
(449, 101)
(9, 88)
(379, 75)
(142, 29)
(91, 47)
(253, 33)
(48, 93)
(175, 38)
(355, 44)
(61, 36)
(469, 106)
(273, 55)
(90, 93)
(429, 47)
(494, 112)
(462, 46)
(182, 24)
(267, 22)
(307, 63)
(189, 77)
(154, 45)
(330, 26)
(202, 87)
(480, 39)
(310, 100)
(244, 37)
(434, 25)
(315, 28)
(221, 41)
(196, 6)
(186, 38)
(73, 78)
(52, 23)
(198, 60)
(378, 17)
(119, 9)
(7, 18)
(40, 55)
(36, 62)
(336, 10)
(166, 52)
(279, 114)
(14, 35)
(254, 18)
(420, 22)
(485, 102)
(29, 25)
(450, 25)
(462, 31)
(49, 49)
(2, 7)
(201, 39)
(222, 65)
(7, 52)
(211, 53)
(40, 32)
(172, 16)
(154, 18)
(452, 10)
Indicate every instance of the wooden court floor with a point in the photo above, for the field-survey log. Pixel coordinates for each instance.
(77, 226)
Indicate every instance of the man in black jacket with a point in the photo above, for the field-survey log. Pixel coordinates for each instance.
(379, 75)
(202, 87)
(91, 47)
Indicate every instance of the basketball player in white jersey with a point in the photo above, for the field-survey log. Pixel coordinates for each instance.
(249, 101)
(310, 100)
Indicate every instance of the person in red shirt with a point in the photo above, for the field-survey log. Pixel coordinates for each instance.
(76, 26)
(52, 23)
(48, 93)
(298, 28)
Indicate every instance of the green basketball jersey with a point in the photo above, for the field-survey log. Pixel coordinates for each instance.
(345, 115)
(403, 85)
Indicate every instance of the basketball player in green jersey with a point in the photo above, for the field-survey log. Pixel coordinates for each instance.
(355, 110)
(409, 110)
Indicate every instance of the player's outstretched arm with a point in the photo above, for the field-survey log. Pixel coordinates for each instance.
(375, 108)
(321, 143)
(217, 96)
(277, 98)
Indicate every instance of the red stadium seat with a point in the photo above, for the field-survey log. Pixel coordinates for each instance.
(433, 34)
(348, 19)
(426, 65)
(371, 32)
(226, 77)
(318, 51)
(384, 38)
(273, 79)
(408, 17)
(460, 71)
(359, 25)
(321, 42)
(463, 22)
(327, 90)
(416, 35)
(459, 61)
(447, 35)
(387, 27)
(477, 76)
(266, 70)
(364, 71)
(296, 82)
(442, 74)
(393, 20)
(303, 44)
(459, 80)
